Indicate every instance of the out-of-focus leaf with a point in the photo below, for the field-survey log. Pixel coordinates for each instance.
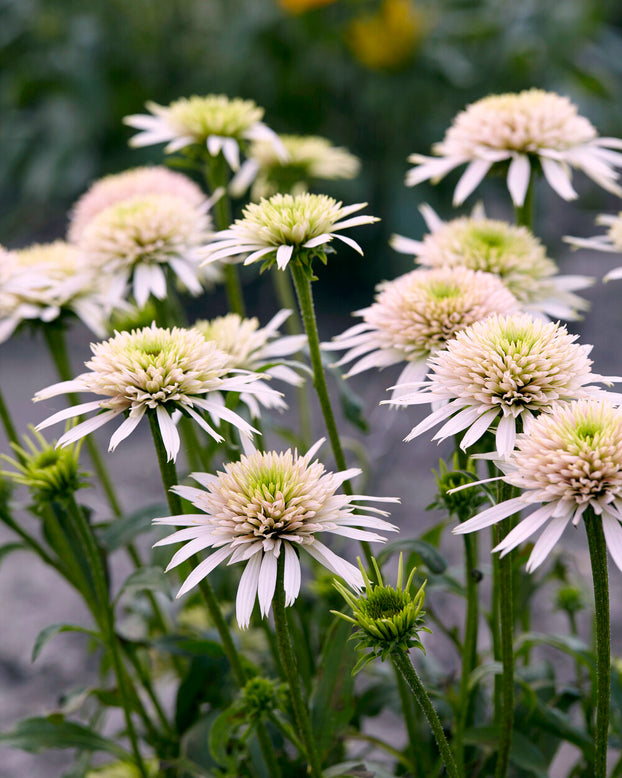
(39, 734)
(430, 556)
(151, 579)
(55, 629)
(119, 532)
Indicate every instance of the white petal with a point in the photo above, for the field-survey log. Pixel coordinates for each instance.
(349, 242)
(202, 423)
(125, 429)
(231, 152)
(432, 220)
(470, 179)
(68, 413)
(205, 540)
(527, 527)
(505, 437)
(549, 537)
(291, 577)
(267, 582)
(283, 255)
(247, 589)
(204, 568)
(350, 574)
(558, 178)
(405, 245)
(478, 428)
(490, 516)
(170, 436)
(86, 427)
(519, 173)
(613, 537)
(430, 421)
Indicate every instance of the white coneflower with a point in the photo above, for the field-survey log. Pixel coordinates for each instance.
(255, 348)
(214, 121)
(273, 229)
(569, 462)
(416, 314)
(264, 505)
(45, 280)
(155, 369)
(611, 241)
(309, 158)
(140, 237)
(530, 128)
(510, 252)
(137, 182)
(505, 368)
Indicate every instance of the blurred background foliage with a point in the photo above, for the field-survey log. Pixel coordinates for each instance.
(381, 77)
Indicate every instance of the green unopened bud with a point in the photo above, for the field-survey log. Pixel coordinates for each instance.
(50, 473)
(260, 697)
(570, 599)
(388, 619)
(464, 503)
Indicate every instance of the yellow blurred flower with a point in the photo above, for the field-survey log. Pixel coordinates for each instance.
(388, 37)
(300, 6)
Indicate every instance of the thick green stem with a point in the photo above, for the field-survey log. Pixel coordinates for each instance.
(288, 660)
(105, 616)
(217, 175)
(404, 666)
(469, 648)
(411, 724)
(505, 715)
(55, 339)
(168, 472)
(302, 283)
(598, 559)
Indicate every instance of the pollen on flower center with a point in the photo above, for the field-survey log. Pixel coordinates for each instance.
(213, 115)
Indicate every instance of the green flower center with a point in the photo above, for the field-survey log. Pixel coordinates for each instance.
(384, 602)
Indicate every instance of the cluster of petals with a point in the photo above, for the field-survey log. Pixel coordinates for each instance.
(309, 158)
(161, 371)
(266, 504)
(216, 122)
(522, 129)
(570, 462)
(513, 253)
(254, 348)
(44, 280)
(277, 227)
(414, 316)
(505, 369)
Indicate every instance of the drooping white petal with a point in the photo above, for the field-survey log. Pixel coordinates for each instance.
(68, 413)
(267, 582)
(490, 516)
(519, 173)
(470, 179)
(525, 529)
(350, 574)
(544, 544)
(558, 178)
(283, 255)
(86, 427)
(126, 428)
(291, 574)
(247, 590)
(203, 569)
(170, 436)
(613, 537)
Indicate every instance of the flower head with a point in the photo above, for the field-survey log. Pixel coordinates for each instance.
(569, 462)
(159, 371)
(505, 369)
(266, 504)
(416, 314)
(276, 228)
(213, 121)
(139, 238)
(510, 252)
(309, 157)
(50, 473)
(387, 619)
(611, 241)
(45, 280)
(138, 182)
(529, 128)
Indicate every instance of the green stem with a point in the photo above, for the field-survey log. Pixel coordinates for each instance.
(287, 299)
(55, 339)
(598, 559)
(288, 661)
(404, 666)
(106, 620)
(411, 724)
(505, 716)
(469, 649)
(524, 212)
(31, 542)
(7, 422)
(217, 175)
(168, 472)
(302, 283)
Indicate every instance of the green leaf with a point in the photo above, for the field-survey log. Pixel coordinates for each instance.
(559, 724)
(331, 701)
(569, 644)
(181, 645)
(222, 732)
(357, 769)
(477, 675)
(120, 532)
(55, 629)
(9, 548)
(145, 579)
(37, 735)
(430, 557)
